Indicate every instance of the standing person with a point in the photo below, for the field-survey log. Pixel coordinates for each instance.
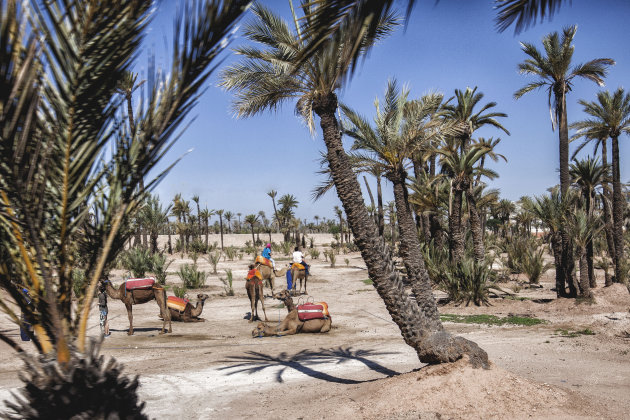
(266, 253)
(298, 257)
(102, 309)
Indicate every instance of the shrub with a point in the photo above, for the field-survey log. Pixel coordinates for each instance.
(230, 252)
(179, 291)
(436, 260)
(311, 242)
(194, 257)
(191, 277)
(198, 246)
(332, 257)
(352, 247)
(287, 247)
(347, 261)
(138, 261)
(227, 282)
(533, 264)
(213, 258)
(78, 282)
(467, 281)
(313, 253)
(516, 250)
(160, 265)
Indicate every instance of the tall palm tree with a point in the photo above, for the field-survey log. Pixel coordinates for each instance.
(553, 70)
(272, 194)
(205, 216)
(228, 218)
(69, 178)
(588, 175)
(195, 198)
(610, 117)
(220, 214)
(154, 218)
(287, 202)
(251, 220)
(268, 74)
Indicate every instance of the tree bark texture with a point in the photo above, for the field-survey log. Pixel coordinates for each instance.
(618, 207)
(456, 238)
(606, 202)
(475, 226)
(415, 326)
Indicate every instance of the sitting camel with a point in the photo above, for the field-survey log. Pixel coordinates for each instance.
(269, 275)
(190, 313)
(291, 324)
(254, 286)
(301, 274)
(138, 296)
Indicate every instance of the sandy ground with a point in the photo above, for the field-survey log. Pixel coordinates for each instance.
(362, 368)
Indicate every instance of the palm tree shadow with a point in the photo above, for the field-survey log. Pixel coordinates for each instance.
(302, 361)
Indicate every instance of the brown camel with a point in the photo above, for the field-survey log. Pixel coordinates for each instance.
(296, 274)
(269, 275)
(138, 296)
(255, 293)
(190, 313)
(291, 324)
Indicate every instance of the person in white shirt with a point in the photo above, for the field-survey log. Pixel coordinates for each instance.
(298, 257)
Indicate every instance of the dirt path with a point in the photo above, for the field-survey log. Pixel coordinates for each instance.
(362, 368)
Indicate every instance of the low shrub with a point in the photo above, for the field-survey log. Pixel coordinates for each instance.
(160, 265)
(227, 282)
(230, 252)
(286, 247)
(179, 291)
(198, 246)
(78, 282)
(313, 253)
(191, 276)
(467, 281)
(138, 261)
(533, 264)
(213, 258)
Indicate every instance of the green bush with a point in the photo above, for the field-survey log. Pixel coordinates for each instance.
(179, 291)
(160, 265)
(191, 276)
(313, 253)
(436, 260)
(198, 246)
(467, 281)
(332, 257)
(533, 264)
(78, 282)
(230, 252)
(137, 260)
(227, 282)
(287, 247)
(213, 258)
(517, 249)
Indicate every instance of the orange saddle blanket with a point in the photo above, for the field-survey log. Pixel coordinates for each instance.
(262, 260)
(254, 274)
(176, 303)
(297, 266)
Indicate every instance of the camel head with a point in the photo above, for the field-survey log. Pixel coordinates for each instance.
(259, 330)
(202, 297)
(283, 295)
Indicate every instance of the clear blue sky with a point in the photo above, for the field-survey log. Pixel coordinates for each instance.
(448, 45)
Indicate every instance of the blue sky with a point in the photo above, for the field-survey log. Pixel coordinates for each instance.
(446, 46)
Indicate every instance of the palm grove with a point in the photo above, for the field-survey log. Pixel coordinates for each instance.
(66, 205)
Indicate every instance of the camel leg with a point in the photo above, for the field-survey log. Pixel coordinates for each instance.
(253, 303)
(130, 316)
(305, 278)
(290, 331)
(262, 300)
(160, 298)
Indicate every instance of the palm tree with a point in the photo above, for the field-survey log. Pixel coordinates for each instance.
(272, 194)
(268, 74)
(582, 228)
(251, 220)
(69, 178)
(195, 198)
(205, 216)
(287, 203)
(588, 175)
(610, 117)
(228, 218)
(220, 214)
(553, 71)
(154, 218)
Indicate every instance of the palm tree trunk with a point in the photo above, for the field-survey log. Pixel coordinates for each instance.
(381, 211)
(430, 344)
(221, 228)
(475, 226)
(456, 239)
(556, 246)
(563, 136)
(412, 256)
(606, 202)
(618, 205)
(585, 290)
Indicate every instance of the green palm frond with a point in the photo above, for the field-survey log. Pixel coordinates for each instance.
(523, 13)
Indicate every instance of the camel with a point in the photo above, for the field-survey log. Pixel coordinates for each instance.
(269, 275)
(291, 324)
(190, 313)
(138, 296)
(296, 274)
(255, 293)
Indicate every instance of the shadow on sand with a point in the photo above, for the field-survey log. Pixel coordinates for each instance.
(305, 361)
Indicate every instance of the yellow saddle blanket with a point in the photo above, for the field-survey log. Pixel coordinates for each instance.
(298, 266)
(262, 260)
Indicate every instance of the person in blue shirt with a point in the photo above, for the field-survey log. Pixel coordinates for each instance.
(266, 253)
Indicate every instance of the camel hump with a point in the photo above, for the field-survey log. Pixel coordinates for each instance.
(140, 283)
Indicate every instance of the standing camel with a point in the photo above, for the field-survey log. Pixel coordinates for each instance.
(190, 313)
(269, 275)
(255, 293)
(301, 274)
(138, 296)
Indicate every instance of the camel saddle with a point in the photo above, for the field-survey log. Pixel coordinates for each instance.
(262, 260)
(135, 284)
(313, 310)
(298, 266)
(176, 303)
(254, 273)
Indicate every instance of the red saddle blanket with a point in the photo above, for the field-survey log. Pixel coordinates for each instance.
(317, 310)
(176, 303)
(262, 260)
(254, 273)
(134, 284)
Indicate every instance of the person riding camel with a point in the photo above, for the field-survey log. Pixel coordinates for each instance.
(298, 257)
(266, 253)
